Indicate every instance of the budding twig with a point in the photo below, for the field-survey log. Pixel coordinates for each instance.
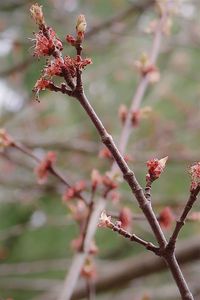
(181, 221)
(51, 168)
(105, 221)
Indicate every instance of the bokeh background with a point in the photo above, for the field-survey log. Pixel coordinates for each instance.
(35, 227)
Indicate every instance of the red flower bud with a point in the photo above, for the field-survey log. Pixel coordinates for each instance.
(166, 217)
(125, 217)
(71, 40)
(123, 112)
(54, 68)
(74, 191)
(42, 169)
(155, 168)
(69, 194)
(44, 46)
(135, 118)
(195, 175)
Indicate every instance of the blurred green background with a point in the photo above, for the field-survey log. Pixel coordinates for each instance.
(35, 227)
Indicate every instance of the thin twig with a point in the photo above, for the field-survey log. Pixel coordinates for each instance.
(180, 223)
(133, 237)
(51, 169)
(90, 289)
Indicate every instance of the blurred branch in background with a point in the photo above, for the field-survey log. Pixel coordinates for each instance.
(126, 271)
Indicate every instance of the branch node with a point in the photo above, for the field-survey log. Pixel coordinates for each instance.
(128, 175)
(106, 139)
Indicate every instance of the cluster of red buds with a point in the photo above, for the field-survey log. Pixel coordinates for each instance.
(74, 191)
(107, 181)
(42, 169)
(166, 217)
(48, 44)
(41, 85)
(5, 139)
(155, 168)
(195, 176)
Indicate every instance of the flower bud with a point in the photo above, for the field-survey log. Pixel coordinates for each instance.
(42, 169)
(125, 217)
(81, 27)
(37, 14)
(122, 113)
(104, 220)
(166, 218)
(155, 168)
(195, 175)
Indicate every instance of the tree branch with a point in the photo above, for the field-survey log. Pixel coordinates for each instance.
(51, 169)
(180, 223)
